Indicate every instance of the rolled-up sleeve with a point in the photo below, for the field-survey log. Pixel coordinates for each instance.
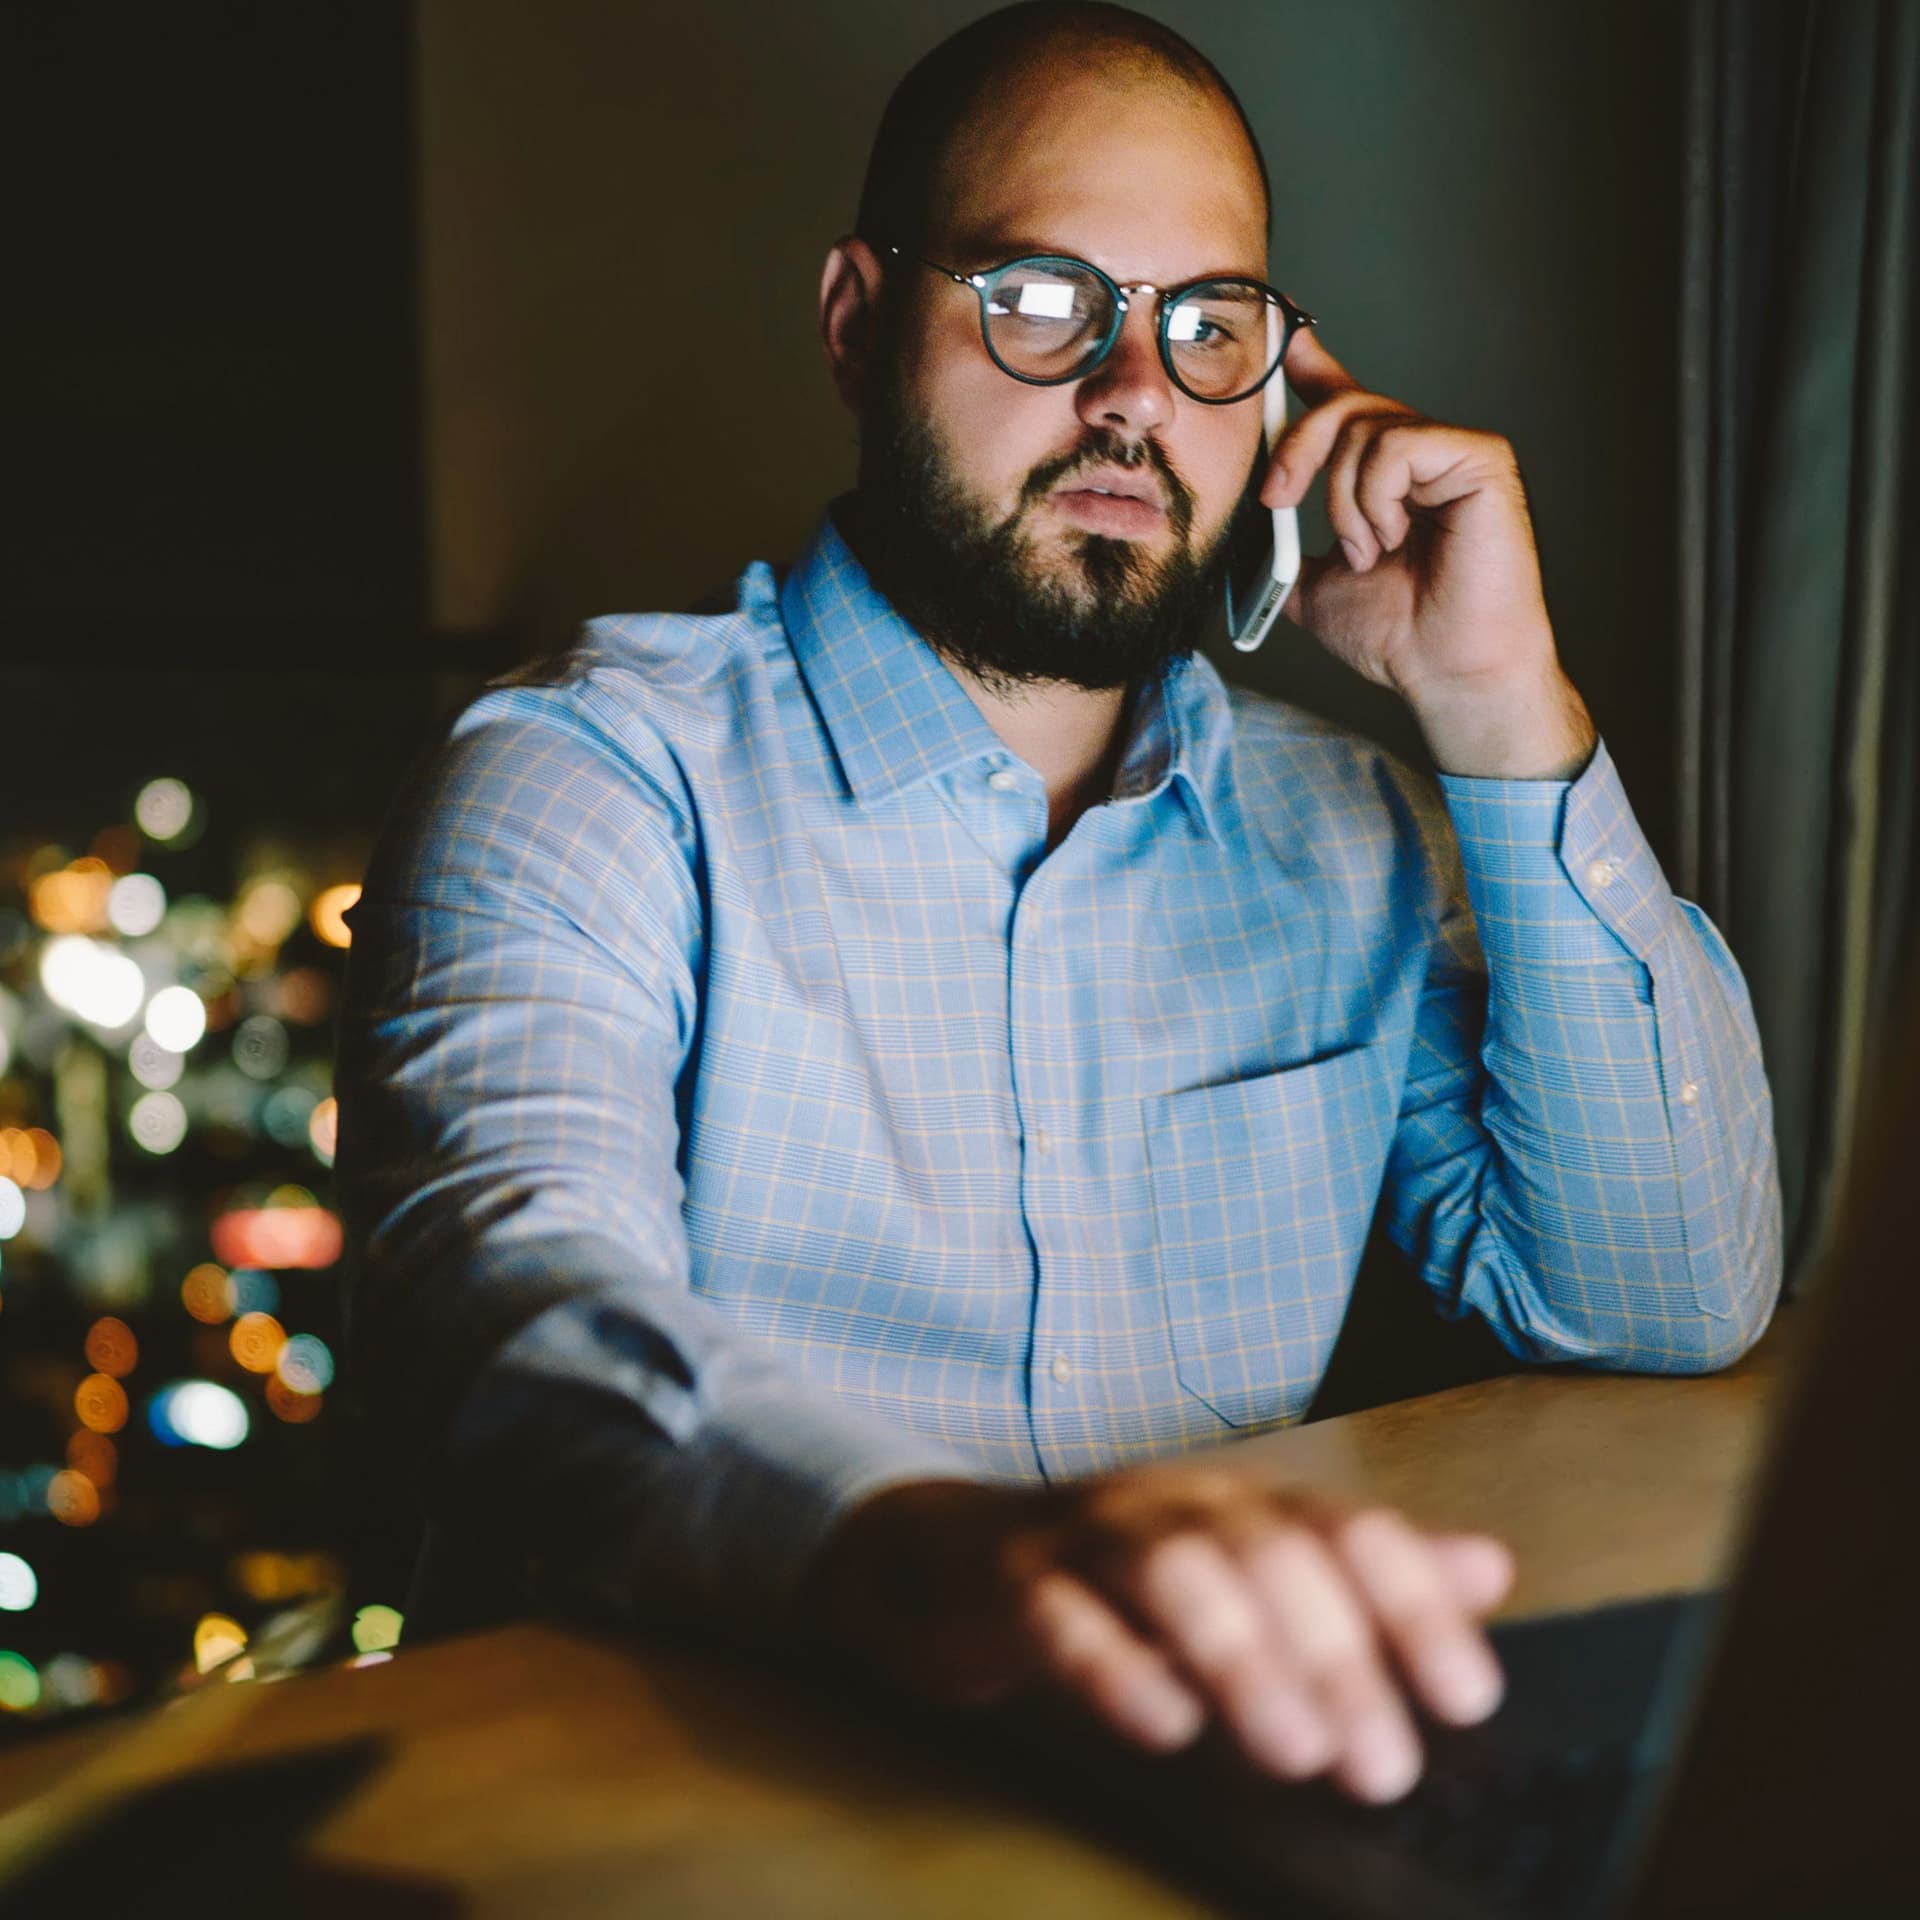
(521, 1014)
(1585, 1152)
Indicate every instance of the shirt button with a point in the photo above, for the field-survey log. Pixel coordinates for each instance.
(1601, 873)
(1005, 780)
(1689, 1093)
(1042, 1140)
(1062, 1368)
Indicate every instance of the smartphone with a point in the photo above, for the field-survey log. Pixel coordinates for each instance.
(1264, 562)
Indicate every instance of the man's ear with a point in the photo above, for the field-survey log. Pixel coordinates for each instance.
(850, 290)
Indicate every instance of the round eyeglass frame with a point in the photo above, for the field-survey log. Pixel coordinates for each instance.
(1293, 317)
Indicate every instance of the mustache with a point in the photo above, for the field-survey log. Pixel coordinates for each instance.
(1099, 449)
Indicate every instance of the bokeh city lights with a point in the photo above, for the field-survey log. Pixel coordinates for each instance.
(168, 1248)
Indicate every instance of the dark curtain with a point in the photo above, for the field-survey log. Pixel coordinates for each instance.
(1800, 700)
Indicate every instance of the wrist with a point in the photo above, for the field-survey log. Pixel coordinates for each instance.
(882, 1555)
(1521, 725)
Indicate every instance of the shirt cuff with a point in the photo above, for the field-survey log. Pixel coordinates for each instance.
(1558, 872)
(766, 1482)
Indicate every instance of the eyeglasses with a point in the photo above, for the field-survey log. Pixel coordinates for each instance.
(1048, 318)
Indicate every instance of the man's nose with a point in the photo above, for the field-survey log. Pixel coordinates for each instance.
(1129, 389)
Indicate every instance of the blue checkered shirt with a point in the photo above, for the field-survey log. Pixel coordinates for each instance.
(742, 1110)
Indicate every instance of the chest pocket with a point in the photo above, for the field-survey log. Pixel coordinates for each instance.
(1262, 1193)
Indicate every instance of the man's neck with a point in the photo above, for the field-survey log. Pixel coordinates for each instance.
(1070, 737)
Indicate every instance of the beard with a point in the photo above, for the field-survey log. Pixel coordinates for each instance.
(975, 588)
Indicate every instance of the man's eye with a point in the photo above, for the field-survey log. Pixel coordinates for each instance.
(1194, 327)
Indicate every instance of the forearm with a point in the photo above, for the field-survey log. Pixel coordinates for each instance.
(1611, 1196)
(632, 1457)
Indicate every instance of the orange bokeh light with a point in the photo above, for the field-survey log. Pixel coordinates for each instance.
(323, 1128)
(48, 1158)
(328, 914)
(216, 1639)
(294, 1408)
(111, 1347)
(268, 911)
(72, 899)
(256, 1341)
(207, 1294)
(29, 1156)
(94, 1455)
(100, 1401)
(73, 1499)
(263, 1575)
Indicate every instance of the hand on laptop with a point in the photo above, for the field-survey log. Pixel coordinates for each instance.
(1161, 1596)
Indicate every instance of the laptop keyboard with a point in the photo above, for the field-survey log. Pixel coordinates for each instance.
(1520, 1816)
(1528, 1832)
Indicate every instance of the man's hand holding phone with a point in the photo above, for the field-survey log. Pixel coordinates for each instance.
(1160, 1597)
(1434, 590)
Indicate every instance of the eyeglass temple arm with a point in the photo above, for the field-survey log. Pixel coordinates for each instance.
(959, 279)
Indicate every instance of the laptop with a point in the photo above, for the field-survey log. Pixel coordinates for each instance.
(1748, 1752)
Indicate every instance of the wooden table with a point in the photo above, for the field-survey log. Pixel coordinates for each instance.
(528, 1771)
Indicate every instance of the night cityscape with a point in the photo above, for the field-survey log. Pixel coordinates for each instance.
(169, 1438)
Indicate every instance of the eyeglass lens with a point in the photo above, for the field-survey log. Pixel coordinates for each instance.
(1051, 321)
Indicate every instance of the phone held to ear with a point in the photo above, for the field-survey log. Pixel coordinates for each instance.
(1261, 574)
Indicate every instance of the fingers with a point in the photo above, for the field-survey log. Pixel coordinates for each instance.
(1442, 1653)
(1291, 1649)
(1379, 457)
(1091, 1651)
(1375, 1753)
(1207, 1613)
(1310, 1633)
(1477, 1568)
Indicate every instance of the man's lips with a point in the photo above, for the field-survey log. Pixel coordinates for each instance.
(1112, 500)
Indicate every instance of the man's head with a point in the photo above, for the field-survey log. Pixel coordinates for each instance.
(1078, 130)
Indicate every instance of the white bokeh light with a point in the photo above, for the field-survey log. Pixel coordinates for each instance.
(136, 905)
(164, 809)
(158, 1122)
(304, 1364)
(152, 1065)
(176, 1018)
(19, 1588)
(260, 1046)
(198, 1413)
(13, 1208)
(96, 982)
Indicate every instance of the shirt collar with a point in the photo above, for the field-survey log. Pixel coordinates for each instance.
(897, 716)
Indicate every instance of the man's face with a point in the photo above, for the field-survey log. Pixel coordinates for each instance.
(987, 497)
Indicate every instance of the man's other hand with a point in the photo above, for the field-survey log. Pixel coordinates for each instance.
(1162, 1596)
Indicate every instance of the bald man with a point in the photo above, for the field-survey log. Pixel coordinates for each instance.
(840, 1095)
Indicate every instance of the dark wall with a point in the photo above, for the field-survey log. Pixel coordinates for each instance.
(212, 412)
